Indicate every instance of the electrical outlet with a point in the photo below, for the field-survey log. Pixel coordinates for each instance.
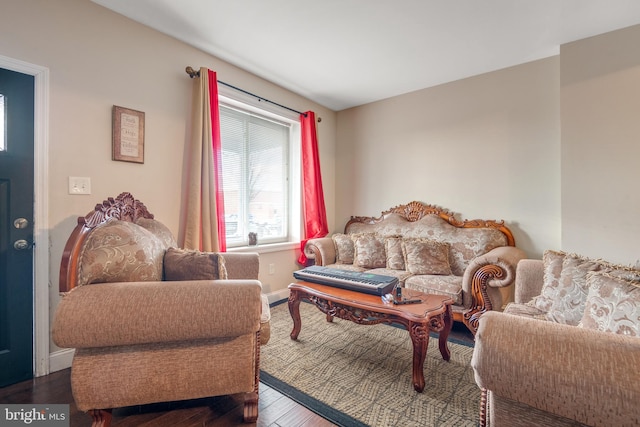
(272, 268)
(79, 185)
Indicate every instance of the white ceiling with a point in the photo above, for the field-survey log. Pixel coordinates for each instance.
(344, 53)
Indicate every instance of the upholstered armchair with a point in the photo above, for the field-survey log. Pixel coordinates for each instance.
(153, 323)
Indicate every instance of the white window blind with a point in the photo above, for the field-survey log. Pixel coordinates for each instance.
(255, 175)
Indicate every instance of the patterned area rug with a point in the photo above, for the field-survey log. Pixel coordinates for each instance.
(360, 375)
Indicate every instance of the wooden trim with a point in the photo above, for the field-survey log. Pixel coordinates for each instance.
(414, 211)
(124, 208)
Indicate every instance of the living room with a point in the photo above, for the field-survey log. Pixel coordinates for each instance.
(550, 145)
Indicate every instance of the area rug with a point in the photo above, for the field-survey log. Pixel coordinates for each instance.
(360, 375)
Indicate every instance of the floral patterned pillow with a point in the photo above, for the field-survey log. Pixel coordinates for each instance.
(552, 265)
(120, 251)
(369, 251)
(425, 256)
(571, 294)
(344, 248)
(612, 305)
(395, 256)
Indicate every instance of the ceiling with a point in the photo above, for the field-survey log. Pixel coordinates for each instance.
(345, 53)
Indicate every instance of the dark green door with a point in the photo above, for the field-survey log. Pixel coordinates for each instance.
(16, 226)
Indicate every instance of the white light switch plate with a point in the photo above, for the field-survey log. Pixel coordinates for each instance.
(79, 185)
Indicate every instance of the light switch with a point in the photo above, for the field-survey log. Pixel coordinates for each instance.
(79, 185)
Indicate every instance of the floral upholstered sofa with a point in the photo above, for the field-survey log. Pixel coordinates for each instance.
(428, 250)
(566, 352)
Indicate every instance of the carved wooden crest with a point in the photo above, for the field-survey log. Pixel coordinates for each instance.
(124, 207)
(414, 211)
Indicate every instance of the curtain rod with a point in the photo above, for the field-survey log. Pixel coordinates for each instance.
(193, 73)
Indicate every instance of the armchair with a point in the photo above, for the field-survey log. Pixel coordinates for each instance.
(153, 324)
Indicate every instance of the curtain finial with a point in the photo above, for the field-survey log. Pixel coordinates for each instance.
(192, 73)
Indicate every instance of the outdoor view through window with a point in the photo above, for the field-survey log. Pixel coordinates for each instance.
(255, 176)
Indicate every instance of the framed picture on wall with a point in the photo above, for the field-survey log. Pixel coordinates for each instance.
(128, 135)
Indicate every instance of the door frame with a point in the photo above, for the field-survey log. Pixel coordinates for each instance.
(40, 210)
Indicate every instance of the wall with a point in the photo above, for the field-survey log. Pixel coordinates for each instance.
(600, 89)
(549, 146)
(485, 147)
(98, 59)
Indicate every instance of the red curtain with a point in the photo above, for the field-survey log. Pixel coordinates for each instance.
(217, 159)
(314, 212)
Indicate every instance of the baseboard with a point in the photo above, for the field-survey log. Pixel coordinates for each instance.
(61, 359)
(276, 296)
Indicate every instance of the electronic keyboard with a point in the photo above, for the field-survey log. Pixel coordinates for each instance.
(375, 284)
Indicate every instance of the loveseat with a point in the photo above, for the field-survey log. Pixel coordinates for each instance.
(154, 323)
(566, 351)
(429, 250)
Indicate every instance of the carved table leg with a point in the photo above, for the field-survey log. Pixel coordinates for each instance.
(419, 334)
(444, 334)
(294, 310)
(101, 417)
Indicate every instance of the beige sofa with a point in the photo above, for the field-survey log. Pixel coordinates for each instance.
(153, 323)
(428, 249)
(540, 362)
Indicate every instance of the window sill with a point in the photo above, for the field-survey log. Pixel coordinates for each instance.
(274, 247)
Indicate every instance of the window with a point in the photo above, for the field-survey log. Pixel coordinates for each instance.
(257, 159)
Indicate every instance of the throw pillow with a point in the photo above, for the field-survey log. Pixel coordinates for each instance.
(613, 305)
(552, 268)
(183, 264)
(395, 256)
(369, 251)
(159, 230)
(344, 248)
(425, 256)
(571, 296)
(120, 251)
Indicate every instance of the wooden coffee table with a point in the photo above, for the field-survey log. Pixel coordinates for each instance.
(433, 314)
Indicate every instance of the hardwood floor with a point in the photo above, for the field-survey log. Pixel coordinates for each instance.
(275, 409)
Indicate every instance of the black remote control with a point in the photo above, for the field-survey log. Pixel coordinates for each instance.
(407, 301)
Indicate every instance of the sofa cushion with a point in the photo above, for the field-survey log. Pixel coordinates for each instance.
(612, 304)
(552, 268)
(450, 286)
(120, 251)
(183, 264)
(369, 251)
(344, 248)
(425, 256)
(401, 275)
(395, 256)
(571, 295)
(525, 310)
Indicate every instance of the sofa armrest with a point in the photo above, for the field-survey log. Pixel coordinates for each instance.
(321, 249)
(483, 278)
(529, 280)
(125, 313)
(576, 373)
(242, 265)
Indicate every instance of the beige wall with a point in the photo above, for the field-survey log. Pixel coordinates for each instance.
(551, 147)
(485, 147)
(600, 89)
(98, 59)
